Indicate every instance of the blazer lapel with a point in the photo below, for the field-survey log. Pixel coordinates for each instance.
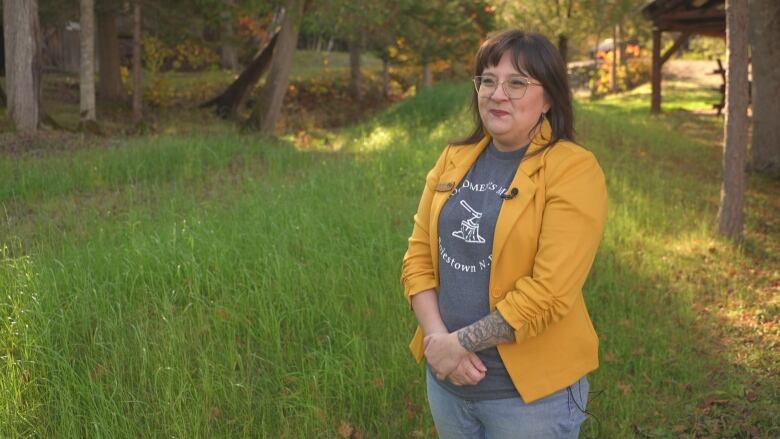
(512, 209)
(459, 162)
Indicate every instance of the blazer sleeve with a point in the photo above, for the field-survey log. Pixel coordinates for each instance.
(417, 272)
(573, 221)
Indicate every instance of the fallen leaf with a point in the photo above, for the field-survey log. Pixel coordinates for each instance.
(223, 314)
(345, 429)
(609, 357)
(98, 372)
(751, 396)
(707, 402)
(625, 388)
(409, 406)
(215, 413)
(379, 383)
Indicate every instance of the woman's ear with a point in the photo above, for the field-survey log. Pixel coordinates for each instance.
(546, 103)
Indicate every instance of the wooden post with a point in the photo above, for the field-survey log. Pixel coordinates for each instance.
(655, 75)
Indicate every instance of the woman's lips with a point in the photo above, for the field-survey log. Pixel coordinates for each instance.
(499, 113)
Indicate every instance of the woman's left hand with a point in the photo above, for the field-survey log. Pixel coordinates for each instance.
(444, 352)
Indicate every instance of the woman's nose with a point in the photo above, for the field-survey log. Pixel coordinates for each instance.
(499, 94)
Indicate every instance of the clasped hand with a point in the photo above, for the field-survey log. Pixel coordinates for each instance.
(450, 360)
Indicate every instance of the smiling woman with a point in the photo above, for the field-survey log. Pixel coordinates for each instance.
(509, 343)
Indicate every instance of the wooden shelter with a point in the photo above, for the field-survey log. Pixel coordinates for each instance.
(688, 17)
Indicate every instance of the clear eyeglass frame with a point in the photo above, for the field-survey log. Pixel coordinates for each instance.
(516, 88)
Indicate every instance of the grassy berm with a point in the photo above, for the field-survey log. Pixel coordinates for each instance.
(226, 285)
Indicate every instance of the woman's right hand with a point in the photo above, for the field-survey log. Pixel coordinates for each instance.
(469, 372)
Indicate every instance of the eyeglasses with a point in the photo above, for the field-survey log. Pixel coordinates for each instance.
(514, 87)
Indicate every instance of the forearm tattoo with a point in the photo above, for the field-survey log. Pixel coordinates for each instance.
(486, 333)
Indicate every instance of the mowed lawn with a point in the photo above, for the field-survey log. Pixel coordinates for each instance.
(220, 285)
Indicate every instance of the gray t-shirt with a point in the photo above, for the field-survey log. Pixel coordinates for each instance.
(466, 225)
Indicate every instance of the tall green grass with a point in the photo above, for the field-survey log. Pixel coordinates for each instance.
(229, 286)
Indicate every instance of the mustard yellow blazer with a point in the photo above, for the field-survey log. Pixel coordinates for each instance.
(543, 248)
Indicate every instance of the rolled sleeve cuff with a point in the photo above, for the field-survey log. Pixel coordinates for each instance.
(511, 317)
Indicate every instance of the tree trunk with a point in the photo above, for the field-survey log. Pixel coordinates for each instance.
(22, 63)
(655, 74)
(269, 105)
(732, 193)
(228, 103)
(110, 84)
(614, 77)
(563, 47)
(386, 77)
(620, 46)
(355, 80)
(138, 85)
(87, 65)
(2, 97)
(765, 33)
(427, 79)
(228, 56)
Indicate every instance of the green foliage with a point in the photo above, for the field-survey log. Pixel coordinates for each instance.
(191, 55)
(405, 32)
(582, 22)
(701, 47)
(443, 30)
(155, 52)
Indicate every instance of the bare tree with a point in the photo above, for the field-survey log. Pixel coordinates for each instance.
(732, 193)
(764, 35)
(228, 55)
(22, 63)
(229, 101)
(269, 105)
(87, 67)
(110, 84)
(138, 92)
(357, 45)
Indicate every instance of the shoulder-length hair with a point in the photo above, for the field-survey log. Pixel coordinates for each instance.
(534, 55)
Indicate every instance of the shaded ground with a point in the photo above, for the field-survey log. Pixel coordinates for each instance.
(698, 72)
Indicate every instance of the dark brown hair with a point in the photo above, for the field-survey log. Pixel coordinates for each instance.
(536, 56)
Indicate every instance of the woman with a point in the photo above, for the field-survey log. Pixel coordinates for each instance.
(504, 237)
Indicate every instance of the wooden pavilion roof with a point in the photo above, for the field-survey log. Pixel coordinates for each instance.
(702, 17)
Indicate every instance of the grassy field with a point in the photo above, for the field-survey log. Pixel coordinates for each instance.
(219, 285)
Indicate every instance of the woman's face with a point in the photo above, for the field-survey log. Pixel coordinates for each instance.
(509, 120)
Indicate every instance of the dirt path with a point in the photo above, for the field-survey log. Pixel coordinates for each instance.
(696, 71)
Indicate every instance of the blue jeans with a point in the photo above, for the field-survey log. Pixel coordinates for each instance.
(554, 416)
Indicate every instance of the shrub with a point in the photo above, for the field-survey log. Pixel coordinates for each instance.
(630, 74)
(192, 55)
